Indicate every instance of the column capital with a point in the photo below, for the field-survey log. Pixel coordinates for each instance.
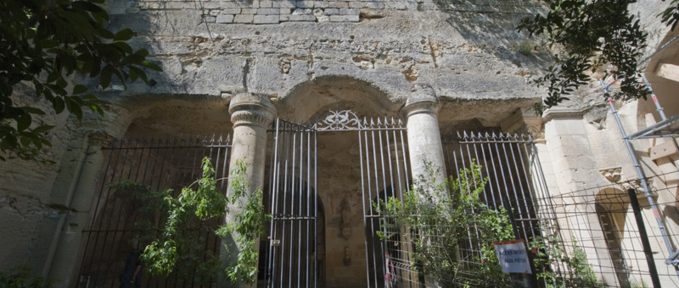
(422, 100)
(421, 104)
(250, 109)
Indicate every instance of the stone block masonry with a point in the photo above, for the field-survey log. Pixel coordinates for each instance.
(279, 11)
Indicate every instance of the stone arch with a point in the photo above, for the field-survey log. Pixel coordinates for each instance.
(311, 99)
(171, 115)
(154, 131)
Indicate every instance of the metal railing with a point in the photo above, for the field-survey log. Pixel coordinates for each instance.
(125, 217)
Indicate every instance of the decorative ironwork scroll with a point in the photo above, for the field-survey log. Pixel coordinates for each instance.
(345, 120)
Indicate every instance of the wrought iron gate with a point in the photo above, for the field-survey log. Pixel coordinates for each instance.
(385, 174)
(292, 252)
(292, 256)
(515, 183)
(124, 218)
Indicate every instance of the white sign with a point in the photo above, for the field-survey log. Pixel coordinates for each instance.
(513, 256)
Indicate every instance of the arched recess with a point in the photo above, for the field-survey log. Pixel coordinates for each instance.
(611, 209)
(312, 99)
(162, 144)
(171, 116)
(355, 155)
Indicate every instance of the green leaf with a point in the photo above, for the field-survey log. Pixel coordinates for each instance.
(105, 77)
(79, 89)
(124, 35)
(74, 107)
(23, 121)
(151, 65)
(42, 129)
(58, 104)
(32, 110)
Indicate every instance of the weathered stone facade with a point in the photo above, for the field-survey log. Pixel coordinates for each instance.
(442, 68)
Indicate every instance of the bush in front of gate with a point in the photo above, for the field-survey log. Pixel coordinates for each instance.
(200, 205)
(453, 232)
(441, 218)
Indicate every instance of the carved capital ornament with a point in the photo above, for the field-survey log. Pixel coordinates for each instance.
(248, 109)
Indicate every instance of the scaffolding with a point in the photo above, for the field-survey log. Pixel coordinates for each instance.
(665, 128)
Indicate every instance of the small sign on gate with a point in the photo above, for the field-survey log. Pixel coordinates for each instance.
(513, 256)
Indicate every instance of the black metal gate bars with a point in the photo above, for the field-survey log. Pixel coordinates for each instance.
(515, 183)
(292, 251)
(125, 219)
(122, 223)
(385, 173)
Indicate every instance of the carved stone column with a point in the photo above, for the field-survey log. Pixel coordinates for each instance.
(424, 139)
(251, 116)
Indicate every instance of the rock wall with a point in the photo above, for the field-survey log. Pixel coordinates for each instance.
(306, 56)
(221, 48)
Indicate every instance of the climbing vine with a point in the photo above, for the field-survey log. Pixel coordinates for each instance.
(247, 227)
(199, 204)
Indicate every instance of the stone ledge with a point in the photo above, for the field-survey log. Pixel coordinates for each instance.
(563, 113)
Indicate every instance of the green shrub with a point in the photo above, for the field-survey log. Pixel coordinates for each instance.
(440, 218)
(22, 278)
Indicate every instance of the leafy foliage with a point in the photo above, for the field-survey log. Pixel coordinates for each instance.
(549, 252)
(247, 227)
(440, 217)
(22, 278)
(670, 16)
(143, 204)
(197, 207)
(187, 216)
(590, 36)
(46, 44)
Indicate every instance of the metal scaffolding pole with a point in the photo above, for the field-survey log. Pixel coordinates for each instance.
(643, 181)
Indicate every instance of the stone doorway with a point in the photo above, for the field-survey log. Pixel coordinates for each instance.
(339, 179)
(353, 164)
